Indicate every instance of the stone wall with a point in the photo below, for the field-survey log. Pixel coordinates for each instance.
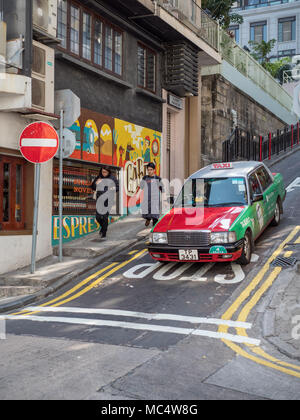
(220, 103)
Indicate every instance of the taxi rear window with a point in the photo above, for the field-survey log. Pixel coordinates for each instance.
(213, 192)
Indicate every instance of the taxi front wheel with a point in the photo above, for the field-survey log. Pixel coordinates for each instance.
(245, 258)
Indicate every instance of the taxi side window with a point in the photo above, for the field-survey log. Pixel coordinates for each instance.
(254, 185)
(264, 178)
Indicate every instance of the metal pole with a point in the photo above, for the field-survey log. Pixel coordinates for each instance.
(37, 176)
(60, 210)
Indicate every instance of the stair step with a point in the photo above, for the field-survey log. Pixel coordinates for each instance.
(11, 291)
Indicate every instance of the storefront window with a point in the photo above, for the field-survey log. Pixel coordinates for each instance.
(12, 193)
(18, 206)
(77, 192)
(6, 178)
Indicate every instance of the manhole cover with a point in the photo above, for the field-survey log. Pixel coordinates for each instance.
(284, 262)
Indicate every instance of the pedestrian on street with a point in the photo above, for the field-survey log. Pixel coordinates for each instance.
(152, 186)
(105, 186)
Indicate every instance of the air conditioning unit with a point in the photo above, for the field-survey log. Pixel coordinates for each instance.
(43, 78)
(45, 16)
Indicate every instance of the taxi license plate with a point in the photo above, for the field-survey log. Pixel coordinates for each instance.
(188, 255)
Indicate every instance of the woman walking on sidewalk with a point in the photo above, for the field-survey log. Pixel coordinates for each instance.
(105, 185)
(152, 186)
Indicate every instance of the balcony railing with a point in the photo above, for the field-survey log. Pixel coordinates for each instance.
(250, 68)
(192, 16)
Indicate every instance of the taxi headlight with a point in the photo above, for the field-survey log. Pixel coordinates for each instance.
(158, 238)
(222, 237)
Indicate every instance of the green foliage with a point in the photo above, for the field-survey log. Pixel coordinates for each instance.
(261, 50)
(220, 10)
(276, 68)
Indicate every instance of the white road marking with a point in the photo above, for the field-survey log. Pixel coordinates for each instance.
(135, 326)
(293, 185)
(161, 273)
(149, 316)
(39, 142)
(198, 276)
(239, 275)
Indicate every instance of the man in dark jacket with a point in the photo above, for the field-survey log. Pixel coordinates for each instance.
(152, 186)
(106, 185)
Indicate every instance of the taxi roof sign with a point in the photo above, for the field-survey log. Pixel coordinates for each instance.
(227, 165)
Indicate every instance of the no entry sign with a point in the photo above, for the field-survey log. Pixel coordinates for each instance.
(39, 142)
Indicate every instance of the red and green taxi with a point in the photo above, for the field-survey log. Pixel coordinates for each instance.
(221, 210)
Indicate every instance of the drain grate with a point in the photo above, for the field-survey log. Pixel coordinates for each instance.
(284, 262)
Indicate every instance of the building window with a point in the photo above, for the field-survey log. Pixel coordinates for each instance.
(258, 31)
(86, 35)
(286, 53)
(118, 53)
(12, 194)
(235, 30)
(74, 30)
(62, 16)
(98, 43)
(146, 68)
(287, 29)
(108, 48)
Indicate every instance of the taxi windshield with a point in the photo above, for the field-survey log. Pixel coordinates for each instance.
(213, 192)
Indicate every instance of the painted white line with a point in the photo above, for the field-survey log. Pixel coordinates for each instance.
(39, 143)
(149, 316)
(293, 185)
(135, 326)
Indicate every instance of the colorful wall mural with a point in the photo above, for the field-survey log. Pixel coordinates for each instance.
(111, 141)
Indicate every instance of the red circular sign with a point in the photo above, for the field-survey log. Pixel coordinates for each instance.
(39, 142)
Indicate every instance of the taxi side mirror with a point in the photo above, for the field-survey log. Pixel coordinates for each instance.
(257, 197)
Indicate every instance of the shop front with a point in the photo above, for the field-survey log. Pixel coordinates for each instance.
(101, 140)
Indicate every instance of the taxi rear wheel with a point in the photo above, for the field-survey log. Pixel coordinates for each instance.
(245, 258)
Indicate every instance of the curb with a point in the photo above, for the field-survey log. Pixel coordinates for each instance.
(57, 284)
(279, 158)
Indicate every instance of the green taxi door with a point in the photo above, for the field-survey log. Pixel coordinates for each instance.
(269, 194)
(256, 212)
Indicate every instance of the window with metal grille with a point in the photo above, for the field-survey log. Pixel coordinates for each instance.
(146, 68)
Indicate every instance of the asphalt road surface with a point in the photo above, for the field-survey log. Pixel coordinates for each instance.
(135, 329)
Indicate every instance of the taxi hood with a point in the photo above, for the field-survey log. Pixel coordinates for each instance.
(208, 218)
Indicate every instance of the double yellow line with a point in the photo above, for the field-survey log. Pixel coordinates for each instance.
(249, 303)
(99, 276)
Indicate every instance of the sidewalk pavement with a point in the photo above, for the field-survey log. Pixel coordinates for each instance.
(280, 309)
(20, 287)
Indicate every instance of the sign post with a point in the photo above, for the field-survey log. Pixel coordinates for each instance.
(60, 208)
(39, 143)
(67, 105)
